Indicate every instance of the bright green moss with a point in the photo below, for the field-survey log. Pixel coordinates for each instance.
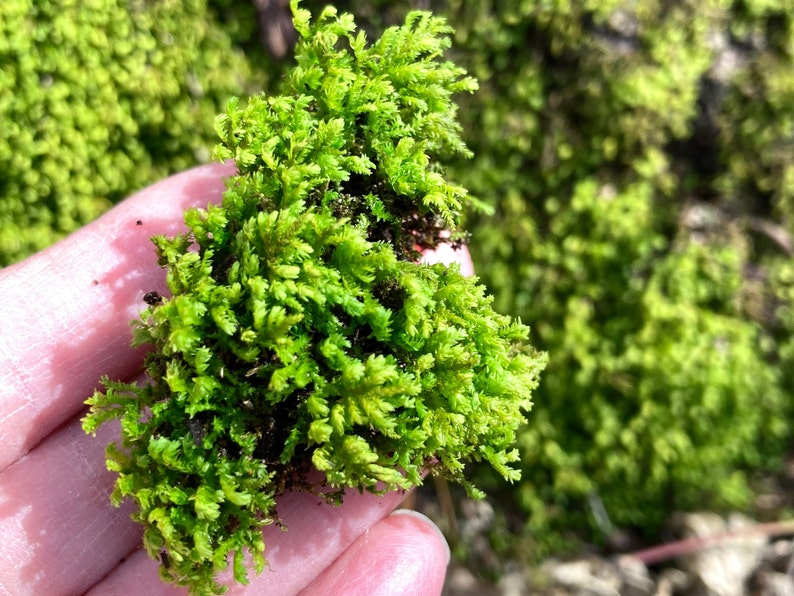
(99, 98)
(300, 331)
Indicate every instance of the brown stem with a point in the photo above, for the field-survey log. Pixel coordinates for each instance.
(447, 505)
(671, 550)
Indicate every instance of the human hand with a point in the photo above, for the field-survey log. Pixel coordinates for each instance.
(64, 322)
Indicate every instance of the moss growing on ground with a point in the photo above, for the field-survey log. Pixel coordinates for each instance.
(99, 98)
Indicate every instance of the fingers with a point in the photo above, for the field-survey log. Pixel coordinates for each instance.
(59, 531)
(62, 535)
(67, 309)
(405, 553)
(316, 535)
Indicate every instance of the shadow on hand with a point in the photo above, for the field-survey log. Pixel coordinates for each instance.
(60, 532)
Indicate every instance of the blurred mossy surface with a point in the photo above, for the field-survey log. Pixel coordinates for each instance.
(100, 98)
(638, 157)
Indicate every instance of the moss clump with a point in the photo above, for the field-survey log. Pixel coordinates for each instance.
(300, 331)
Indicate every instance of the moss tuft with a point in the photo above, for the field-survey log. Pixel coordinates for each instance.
(300, 333)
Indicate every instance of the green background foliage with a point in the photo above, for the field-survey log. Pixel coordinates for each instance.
(637, 156)
(100, 98)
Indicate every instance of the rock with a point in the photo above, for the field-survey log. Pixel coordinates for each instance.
(771, 583)
(672, 581)
(590, 576)
(780, 557)
(513, 583)
(636, 580)
(716, 556)
(462, 582)
(723, 564)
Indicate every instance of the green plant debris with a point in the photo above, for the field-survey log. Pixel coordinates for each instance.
(300, 331)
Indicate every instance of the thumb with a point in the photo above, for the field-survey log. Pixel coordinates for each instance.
(404, 553)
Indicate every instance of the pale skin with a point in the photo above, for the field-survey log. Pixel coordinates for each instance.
(65, 322)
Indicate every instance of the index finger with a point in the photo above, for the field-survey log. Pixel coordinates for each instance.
(67, 309)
